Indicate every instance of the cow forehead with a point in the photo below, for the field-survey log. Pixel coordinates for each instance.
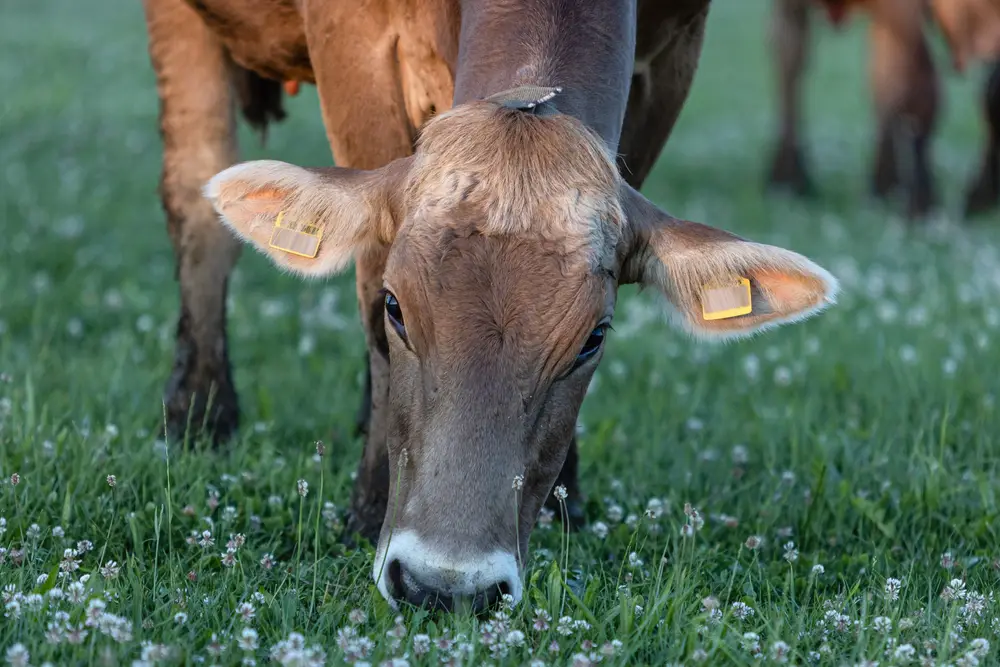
(546, 178)
(475, 301)
(505, 278)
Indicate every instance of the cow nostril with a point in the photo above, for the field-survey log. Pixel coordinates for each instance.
(407, 588)
(396, 580)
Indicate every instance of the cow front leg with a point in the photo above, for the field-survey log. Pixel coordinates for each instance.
(193, 78)
(983, 194)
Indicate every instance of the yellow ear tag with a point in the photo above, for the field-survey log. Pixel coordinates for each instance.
(304, 243)
(719, 303)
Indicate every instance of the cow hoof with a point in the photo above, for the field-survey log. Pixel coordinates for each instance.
(788, 172)
(981, 198)
(200, 408)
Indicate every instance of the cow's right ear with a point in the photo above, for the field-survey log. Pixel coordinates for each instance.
(310, 221)
(717, 284)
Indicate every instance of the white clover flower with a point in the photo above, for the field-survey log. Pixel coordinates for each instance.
(248, 640)
(882, 624)
(780, 651)
(18, 656)
(892, 588)
(742, 611)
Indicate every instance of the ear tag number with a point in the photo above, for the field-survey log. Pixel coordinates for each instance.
(304, 243)
(720, 303)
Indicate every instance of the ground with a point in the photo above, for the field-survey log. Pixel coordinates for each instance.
(843, 471)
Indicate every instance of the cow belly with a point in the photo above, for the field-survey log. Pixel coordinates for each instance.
(266, 36)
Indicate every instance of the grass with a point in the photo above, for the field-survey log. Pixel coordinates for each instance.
(859, 447)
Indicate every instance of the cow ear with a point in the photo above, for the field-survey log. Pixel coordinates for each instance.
(719, 285)
(309, 221)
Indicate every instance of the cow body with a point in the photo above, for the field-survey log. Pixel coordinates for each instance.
(905, 90)
(478, 194)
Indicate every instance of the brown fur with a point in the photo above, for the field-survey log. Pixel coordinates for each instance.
(532, 176)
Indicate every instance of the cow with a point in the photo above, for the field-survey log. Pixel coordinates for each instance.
(478, 194)
(905, 90)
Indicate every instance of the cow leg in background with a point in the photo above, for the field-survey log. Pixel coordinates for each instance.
(365, 115)
(790, 37)
(984, 192)
(197, 122)
(905, 90)
(885, 173)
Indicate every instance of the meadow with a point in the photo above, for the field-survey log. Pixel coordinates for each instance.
(821, 494)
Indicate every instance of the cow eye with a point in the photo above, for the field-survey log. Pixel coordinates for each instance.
(593, 344)
(395, 314)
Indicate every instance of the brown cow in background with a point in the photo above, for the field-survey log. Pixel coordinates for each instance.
(905, 91)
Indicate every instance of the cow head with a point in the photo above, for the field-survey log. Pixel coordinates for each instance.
(508, 234)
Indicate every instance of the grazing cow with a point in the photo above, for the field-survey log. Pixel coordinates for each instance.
(905, 90)
(488, 258)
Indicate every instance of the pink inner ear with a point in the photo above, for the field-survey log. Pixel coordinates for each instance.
(265, 201)
(789, 291)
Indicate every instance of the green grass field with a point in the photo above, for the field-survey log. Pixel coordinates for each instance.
(859, 447)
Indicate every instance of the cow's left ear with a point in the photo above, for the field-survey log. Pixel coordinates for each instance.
(310, 221)
(718, 284)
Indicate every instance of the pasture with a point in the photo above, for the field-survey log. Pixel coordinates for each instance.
(822, 494)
